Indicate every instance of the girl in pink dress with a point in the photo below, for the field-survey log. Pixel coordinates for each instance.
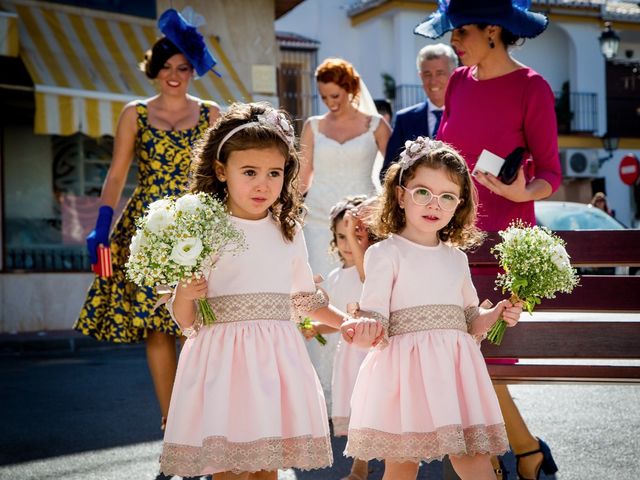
(351, 239)
(425, 391)
(246, 399)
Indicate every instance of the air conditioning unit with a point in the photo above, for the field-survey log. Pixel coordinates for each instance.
(579, 162)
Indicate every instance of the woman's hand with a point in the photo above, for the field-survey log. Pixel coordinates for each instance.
(516, 192)
(194, 289)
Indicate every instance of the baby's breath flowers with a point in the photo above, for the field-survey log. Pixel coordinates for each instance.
(180, 238)
(536, 266)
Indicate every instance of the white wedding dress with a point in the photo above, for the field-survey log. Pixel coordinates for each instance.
(339, 169)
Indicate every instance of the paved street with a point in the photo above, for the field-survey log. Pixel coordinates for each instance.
(91, 414)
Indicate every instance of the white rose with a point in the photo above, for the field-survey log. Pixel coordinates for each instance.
(188, 203)
(138, 241)
(159, 219)
(513, 234)
(187, 251)
(560, 257)
(163, 203)
(414, 148)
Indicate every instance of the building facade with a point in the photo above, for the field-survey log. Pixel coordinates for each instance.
(596, 98)
(66, 71)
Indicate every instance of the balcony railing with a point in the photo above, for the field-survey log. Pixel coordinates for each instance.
(583, 106)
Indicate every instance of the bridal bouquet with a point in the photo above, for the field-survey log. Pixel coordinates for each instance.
(180, 238)
(536, 266)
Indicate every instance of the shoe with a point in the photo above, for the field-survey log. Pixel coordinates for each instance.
(162, 476)
(548, 465)
(501, 472)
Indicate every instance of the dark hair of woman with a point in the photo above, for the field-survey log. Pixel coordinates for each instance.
(157, 56)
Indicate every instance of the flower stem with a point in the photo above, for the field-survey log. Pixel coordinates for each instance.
(208, 317)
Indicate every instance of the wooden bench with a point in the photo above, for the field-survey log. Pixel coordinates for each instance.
(590, 342)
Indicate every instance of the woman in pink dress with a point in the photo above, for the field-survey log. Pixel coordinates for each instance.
(496, 103)
(425, 391)
(246, 400)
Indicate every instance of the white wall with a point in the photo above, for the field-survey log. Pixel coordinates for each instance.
(548, 54)
(41, 301)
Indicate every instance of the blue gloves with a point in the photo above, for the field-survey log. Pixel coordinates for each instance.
(100, 234)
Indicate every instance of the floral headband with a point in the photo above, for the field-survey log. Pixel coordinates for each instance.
(344, 205)
(271, 119)
(414, 150)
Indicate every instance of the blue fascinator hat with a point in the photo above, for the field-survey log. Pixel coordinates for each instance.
(188, 40)
(512, 15)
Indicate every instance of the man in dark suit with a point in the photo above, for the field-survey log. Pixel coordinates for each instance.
(435, 65)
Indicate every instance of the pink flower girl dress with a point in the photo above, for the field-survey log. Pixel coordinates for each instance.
(246, 396)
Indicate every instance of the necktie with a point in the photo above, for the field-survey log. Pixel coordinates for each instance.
(438, 114)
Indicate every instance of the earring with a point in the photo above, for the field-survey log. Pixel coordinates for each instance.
(491, 44)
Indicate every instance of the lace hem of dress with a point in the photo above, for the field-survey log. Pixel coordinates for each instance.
(427, 317)
(304, 303)
(218, 454)
(368, 444)
(340, 426)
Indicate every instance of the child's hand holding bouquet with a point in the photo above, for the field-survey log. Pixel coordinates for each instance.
(178, 240)
(536, 266)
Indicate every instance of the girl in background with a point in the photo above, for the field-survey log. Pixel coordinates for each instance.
(425, 393)
(351, 238)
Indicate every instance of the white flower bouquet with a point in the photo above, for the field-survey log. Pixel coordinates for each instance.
(180, 238)
(536, 266)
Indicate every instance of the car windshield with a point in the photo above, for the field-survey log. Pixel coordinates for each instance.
(563, 216)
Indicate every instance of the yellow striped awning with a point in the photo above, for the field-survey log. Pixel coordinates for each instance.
(84, 64)
(8, 34)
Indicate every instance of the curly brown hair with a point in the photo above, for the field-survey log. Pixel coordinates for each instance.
(461, 230)
(342, 73)
(288, 210)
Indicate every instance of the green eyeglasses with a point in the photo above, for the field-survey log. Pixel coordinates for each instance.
(423, 196)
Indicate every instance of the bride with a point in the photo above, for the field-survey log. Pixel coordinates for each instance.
(342, 152)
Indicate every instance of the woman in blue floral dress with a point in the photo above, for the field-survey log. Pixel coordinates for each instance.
(159, 132)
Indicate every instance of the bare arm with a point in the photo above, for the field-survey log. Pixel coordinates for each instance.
(306, 158)
(382, 134)
(123, 149)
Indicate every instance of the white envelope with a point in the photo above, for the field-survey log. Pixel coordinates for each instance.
(489, 163)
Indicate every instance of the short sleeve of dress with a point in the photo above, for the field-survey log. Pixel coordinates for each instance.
(305, 296)
(470, 299)
(379, 279)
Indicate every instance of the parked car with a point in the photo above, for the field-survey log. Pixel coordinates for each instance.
(557, 215)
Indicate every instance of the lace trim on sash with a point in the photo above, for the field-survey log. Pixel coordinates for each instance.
(269, 454)
(251, 306)
(367, 444)
(427, 317)
(304, 303)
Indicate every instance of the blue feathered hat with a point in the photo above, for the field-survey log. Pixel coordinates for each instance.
(188, 40)
(512, 15)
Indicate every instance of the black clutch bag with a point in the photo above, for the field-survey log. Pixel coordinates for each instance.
(512, 162)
